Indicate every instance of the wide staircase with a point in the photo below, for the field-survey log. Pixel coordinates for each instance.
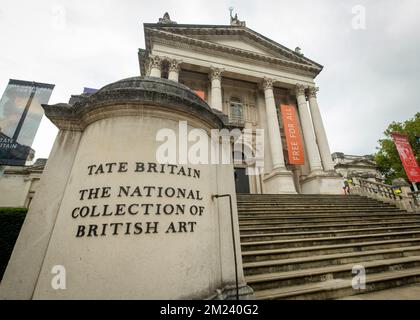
(308, 246)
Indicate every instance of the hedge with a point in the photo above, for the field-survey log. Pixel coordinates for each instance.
(11, 220)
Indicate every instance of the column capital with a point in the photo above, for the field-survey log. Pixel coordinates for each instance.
(215, 73)
(268, 83)
(312, 92)
(299, 89)
(174, 65)
(155, 62)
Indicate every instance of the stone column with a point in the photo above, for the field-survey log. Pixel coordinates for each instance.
(174, 68)
(280, 180)
(155, 66)
(273, 126)
(308, 132)
(216, 88)
(321, 136)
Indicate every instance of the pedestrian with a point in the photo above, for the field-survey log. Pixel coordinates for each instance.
(346, 187)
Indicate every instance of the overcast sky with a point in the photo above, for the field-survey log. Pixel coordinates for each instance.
(370, 77)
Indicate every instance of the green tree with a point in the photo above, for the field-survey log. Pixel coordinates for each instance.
(387, 157)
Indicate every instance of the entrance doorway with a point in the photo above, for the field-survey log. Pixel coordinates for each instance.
(241, 180)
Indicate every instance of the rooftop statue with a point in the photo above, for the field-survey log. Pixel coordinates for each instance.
(166, 19)
(234, 21)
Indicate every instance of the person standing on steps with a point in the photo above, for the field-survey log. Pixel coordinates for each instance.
(346, 187)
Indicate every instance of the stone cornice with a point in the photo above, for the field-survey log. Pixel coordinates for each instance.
(177, 40)
(223, 30)
(361, 166)
(173, 44)
(131, 96)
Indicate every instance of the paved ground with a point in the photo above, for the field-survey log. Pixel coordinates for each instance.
(411, 292)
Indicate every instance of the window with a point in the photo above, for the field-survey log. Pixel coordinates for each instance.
(236, 111)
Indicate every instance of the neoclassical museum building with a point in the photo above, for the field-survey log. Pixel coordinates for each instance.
(110, 220)
(247, 76)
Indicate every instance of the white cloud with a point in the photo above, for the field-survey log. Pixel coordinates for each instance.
(370, 76)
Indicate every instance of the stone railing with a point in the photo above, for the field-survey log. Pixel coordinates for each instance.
(405, 199)
(416, 198)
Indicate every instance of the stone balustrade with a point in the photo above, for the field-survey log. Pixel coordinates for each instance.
(405, 200)
(416, 198)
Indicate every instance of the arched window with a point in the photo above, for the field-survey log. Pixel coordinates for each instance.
(236, 111)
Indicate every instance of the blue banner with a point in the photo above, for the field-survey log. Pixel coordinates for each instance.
(20, 116)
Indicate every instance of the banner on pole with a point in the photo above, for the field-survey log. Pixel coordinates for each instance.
(20, 116)
(293, 136)
(407, 157)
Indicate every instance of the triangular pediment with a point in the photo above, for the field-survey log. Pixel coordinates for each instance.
(240, 41)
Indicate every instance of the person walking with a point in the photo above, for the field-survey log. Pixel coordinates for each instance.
(346, 187)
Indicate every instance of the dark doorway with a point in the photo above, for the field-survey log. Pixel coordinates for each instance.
(241, 180)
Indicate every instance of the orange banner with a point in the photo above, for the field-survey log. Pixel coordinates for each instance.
(199, 93)
(292, 131)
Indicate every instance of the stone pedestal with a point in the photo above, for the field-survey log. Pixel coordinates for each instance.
(279, 182)
(322, 183)
(117, 222)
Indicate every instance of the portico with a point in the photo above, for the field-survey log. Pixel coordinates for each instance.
(247, 76)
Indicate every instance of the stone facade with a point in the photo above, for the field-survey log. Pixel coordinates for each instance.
(18, 184)
(350, 166)
(122, 225)
(247, 76)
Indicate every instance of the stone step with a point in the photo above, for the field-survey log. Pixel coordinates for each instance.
(300, 252)
(290, 221)
(291, 244)
(271, 216)
(284, 265)
(305, 204)
(302, 197)
(321, 204)
(305, 242)
(301, 202)
(299, 277)
(307, 200)
(273, 211)
(324, 213)
(313, 203)
(324, 227)
(323, 233)
(338, 288)
(256, 209)
(296, 196)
